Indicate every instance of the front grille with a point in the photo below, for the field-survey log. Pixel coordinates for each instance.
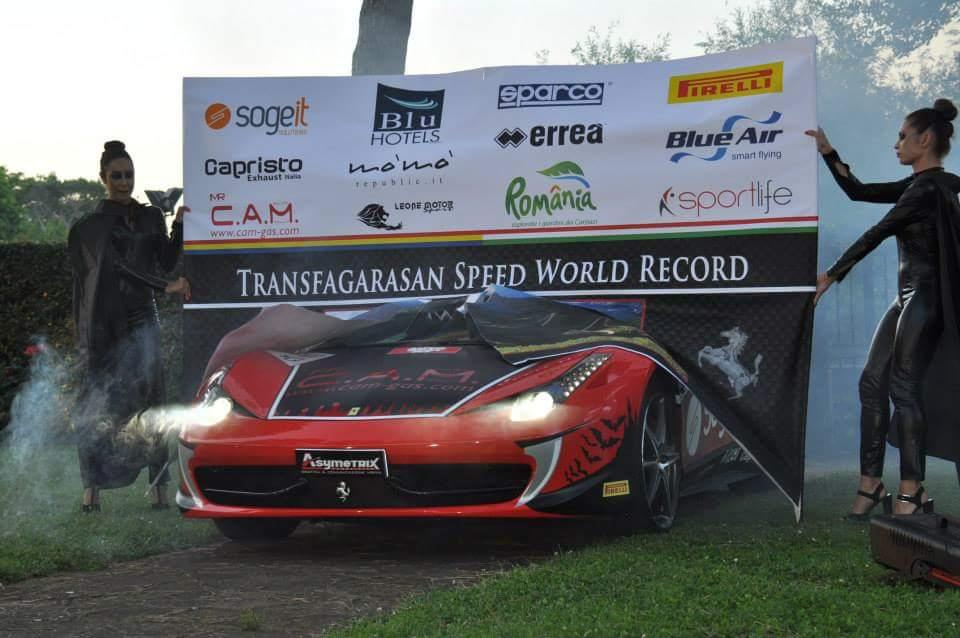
(407, 486)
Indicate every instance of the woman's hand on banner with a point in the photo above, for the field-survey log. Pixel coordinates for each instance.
(824, 281)
(179, 287)
(178, 219)
(823, 144)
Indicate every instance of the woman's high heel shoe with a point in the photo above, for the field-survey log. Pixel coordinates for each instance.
(886, 499)
(917, 500)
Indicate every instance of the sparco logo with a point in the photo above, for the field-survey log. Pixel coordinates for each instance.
(553, 135)
(406, 117)
(518, 96)
(276, 119)
(256, 170)
(723, 138)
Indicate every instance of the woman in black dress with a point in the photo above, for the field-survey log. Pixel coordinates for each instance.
(921, 319)
(116, 252)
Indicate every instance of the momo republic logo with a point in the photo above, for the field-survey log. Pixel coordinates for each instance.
(558, 198)
(736, 131)
(282, 119)
(403, 116)
(727, 83)
(552, 135)
(518, 96)
(758, 197)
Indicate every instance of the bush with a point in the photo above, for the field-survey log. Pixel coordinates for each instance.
(36, 288)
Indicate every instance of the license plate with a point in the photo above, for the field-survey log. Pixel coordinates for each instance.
(342, 462)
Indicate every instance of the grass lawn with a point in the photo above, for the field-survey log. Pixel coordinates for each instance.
(43, 531)
(741, 568)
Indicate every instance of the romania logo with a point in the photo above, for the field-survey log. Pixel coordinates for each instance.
(720, 85)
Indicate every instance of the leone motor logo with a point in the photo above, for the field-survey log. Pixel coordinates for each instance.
(403, 116)
(731, 134)
(558, 197)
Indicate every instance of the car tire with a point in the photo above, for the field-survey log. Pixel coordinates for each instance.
(256, 529)
(657, 454)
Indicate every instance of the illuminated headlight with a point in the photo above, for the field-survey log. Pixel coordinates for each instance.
(212, 411)
(531, 406)
(537, 404)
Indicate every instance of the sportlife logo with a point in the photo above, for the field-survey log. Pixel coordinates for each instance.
(726, 137)
(518, 96)
(255, 170)
(552, 135)
(558, 199)
(757, 197)
(290, 119)
(403, 116)
(320, 465)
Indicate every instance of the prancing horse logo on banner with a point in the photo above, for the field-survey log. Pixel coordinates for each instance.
(727, 359)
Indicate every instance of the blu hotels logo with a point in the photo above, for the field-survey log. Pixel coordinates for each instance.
(273, 120)
(719, 85)
(403, 116)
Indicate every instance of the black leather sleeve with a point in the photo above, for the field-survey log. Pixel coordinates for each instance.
(914, 205)
(168, 247)
(127, 271)
(878, 193)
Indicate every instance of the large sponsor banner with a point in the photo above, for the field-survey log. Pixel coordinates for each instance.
(687, 184)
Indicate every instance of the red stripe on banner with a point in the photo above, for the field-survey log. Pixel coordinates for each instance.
(506, 231)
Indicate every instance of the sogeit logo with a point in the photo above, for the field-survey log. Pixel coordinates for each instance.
(520, 204)
(758, 197)
(403, 116)
(518, 96)
(552, 135)
(279, 119)
(724, 138)
(255, 170)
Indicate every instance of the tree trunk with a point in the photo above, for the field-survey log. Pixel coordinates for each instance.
(382, 40)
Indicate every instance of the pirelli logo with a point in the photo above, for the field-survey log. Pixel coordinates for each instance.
(616, 488)
(719, 85)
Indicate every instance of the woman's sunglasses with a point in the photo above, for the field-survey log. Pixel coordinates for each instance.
(121, 174)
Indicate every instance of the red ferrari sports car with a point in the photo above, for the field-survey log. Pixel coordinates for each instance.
(499, 405)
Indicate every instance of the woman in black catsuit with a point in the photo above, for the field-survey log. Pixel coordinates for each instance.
(911, 329)
(115, 252)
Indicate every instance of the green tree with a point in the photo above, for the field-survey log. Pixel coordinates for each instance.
(597, 49)
(10, 209)
(47, 206)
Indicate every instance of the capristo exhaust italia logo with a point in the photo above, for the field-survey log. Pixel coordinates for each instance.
(557, 199)
(724, 138)
(403, 116)
(726, 83)
(290, 119)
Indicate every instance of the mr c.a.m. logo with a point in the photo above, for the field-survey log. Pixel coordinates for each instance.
(569, 192)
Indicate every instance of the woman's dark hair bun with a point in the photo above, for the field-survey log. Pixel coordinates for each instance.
(112, 150)
(945, 108)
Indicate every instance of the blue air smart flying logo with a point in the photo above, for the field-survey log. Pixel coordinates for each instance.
(726, 137)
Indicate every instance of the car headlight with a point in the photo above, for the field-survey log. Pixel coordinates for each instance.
(531, 406)
(537, 404)
(215, 404)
